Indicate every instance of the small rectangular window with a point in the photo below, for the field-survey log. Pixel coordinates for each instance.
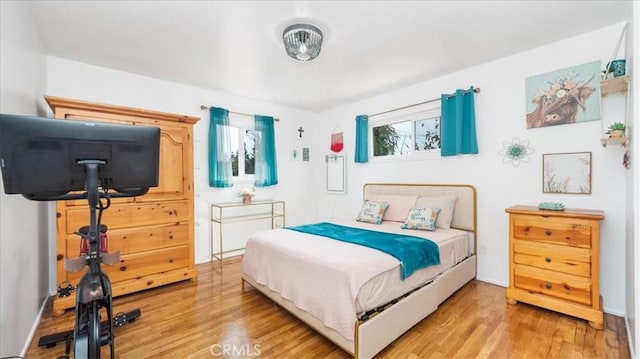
(427, 134)
(243, 152)
(249, 152)
(406, 134)
(392, 139)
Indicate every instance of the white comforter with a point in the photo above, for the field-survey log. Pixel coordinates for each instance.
(337, 271)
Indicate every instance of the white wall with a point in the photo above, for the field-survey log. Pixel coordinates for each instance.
(81, 81)
(23, 224)
(633, 193)
(500, 116)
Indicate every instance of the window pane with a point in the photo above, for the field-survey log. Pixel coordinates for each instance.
(249, 152)
(427, 134)
(233, 136)
(392, 139)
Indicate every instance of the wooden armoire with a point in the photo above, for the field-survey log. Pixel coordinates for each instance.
(154, 232)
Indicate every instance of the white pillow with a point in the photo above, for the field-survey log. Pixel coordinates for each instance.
(399, 205)
(372, 212)
(421, 218)
(446, 203)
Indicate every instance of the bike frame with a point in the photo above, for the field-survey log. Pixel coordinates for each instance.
(94, 289)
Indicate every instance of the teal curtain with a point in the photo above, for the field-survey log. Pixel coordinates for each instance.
(362, 139)
(458, 124)
(220, 173)
(266, 165)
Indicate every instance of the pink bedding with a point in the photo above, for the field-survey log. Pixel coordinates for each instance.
(319, 275)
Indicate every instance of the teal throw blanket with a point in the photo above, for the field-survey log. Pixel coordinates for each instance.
(413, 252)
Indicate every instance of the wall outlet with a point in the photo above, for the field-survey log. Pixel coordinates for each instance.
(482, 249)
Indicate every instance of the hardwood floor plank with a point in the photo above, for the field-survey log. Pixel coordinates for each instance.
(194, 318)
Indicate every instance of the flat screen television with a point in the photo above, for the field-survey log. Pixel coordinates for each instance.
(39, 156)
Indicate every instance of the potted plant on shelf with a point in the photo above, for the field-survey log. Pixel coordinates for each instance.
(617, 129)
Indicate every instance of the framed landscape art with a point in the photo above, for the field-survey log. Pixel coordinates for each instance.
(566, 173)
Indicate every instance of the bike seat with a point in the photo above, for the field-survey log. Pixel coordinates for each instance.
(85, 230)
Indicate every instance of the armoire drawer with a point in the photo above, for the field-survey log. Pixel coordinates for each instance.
(564, 231)
(126, 215)
(554, 284)
(557, 258)
(141, 264)
(139, 239)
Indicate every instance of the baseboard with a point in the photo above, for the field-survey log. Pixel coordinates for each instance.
(34, 327)
(629, 337)
(490, 281)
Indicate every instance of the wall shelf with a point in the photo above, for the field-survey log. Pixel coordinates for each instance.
(614, 85)
(622, 141)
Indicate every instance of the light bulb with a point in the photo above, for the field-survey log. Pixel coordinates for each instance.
(303, 48)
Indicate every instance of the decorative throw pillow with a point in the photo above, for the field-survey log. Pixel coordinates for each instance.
(399, 205)
(372, 212)
(446, 204)
(421, 218)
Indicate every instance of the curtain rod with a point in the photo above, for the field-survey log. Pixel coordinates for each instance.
(203, 107)
(475, 90)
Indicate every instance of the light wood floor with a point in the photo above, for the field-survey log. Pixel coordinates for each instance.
(195, 319)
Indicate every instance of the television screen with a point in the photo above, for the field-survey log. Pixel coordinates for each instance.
(39, 156)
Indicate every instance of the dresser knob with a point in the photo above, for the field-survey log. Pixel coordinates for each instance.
(548, 259)
(170, 260)
(548, 232)
(548, 285)
(171, 236)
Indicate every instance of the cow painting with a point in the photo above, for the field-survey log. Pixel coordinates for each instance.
(560, 101)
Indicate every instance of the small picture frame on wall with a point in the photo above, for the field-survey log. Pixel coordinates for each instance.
(566, 173)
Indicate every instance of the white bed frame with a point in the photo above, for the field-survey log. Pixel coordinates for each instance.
(375, 334)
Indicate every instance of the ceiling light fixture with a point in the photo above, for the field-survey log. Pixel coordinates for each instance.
(302, 41)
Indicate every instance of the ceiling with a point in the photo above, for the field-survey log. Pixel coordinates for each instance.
(370, 47)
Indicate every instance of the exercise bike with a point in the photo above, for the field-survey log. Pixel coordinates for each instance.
(51, 160)
(93, 292)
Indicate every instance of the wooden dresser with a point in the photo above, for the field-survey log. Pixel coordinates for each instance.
(154, 232)
(553, 260)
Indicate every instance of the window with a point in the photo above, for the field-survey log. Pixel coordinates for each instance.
(427, 134)
(407, 134)
(243, 152)
(243, 146)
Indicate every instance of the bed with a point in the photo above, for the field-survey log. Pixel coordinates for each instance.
(352, 294)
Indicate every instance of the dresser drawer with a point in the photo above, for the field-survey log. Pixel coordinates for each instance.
(554, 284)
(141, 264)
(558, 258)
(139, 239)
(564, 231)
(127, 215)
